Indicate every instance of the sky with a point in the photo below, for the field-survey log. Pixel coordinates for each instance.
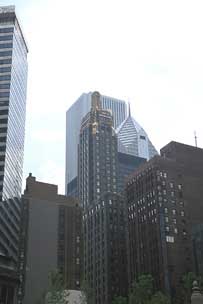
(149, 53)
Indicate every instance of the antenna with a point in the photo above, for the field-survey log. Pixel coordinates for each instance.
(129, 110)
(195, 139)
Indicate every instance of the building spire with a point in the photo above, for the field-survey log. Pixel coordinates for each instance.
(96, 103)
(129, 110)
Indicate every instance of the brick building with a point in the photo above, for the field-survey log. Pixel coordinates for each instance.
(164, 205)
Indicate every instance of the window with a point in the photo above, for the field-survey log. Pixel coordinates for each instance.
(4, 94)
(179, 187)
(166, 210)
(5, 53)
(5, 77)
(175, 230)
(174, 212)
(171, 185)
(167, 228)
(182, 213)
(169, 239)
(184, 232)
(6, 45)
(4, 38)
(166, 219)
(6, 30)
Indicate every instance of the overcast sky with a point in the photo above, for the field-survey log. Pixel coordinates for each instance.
(147, 52)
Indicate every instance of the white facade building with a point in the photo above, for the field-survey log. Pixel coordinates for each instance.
(133, 140)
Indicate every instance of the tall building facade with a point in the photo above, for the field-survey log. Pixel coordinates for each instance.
(74, 118)
(164, 206)
(97, 154)
(127, 164)
(105, 259)
(103, 208)
(47, 247)
(133, 140)
(13, 80)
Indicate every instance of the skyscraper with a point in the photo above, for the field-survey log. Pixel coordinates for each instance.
(103, 216)
(13, 80)
(74, 118)
(97, 154)
(133, 140)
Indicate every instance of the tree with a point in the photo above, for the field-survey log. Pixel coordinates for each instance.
(142, 290)
(119, 300)
(56, 291)
(188, 280)
(160, 298)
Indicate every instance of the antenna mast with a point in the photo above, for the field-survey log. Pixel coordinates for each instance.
(195, 139)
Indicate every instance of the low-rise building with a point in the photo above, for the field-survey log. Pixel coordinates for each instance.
(50, 240)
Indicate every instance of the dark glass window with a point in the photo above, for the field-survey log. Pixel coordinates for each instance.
(4, 85)
(2, 157)
(5, 69)
(4, 38)
(2, 148)
(5, 77)
(6, 30)
(6, 61)
(3, 121)
(3, 130)
(4, 94)
(142, 137)
(5, 53)
(6, 46)
(3, 112)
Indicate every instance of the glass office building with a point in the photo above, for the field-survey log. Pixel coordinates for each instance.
(133, 140)
(13, 82)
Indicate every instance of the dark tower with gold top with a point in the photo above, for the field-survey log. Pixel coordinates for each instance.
(97, 154)
(103, 209)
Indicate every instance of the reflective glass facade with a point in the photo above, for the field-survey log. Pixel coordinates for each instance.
(133, 140)
(13, 82)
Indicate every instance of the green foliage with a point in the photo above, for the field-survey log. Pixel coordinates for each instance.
(56, 291)
(188, 280)
(119, 300)
(160, 298)
(142, 290)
